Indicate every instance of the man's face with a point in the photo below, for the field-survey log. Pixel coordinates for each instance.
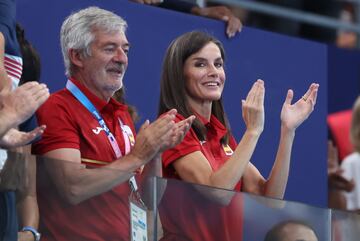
(103, 71)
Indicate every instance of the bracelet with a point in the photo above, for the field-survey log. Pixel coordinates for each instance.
(34, 232)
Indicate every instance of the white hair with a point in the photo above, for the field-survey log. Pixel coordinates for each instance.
(77, 31)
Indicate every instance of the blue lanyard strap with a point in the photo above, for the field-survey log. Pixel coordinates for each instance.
(91, 108)
(87, 104)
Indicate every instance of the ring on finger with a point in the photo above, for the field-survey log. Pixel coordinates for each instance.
(304, 98)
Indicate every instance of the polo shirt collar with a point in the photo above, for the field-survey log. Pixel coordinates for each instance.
(214, 124)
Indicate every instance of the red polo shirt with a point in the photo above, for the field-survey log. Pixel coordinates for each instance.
(185, 213)
(71, 125)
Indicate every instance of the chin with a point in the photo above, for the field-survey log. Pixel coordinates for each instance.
(214, 97)
(117, 85)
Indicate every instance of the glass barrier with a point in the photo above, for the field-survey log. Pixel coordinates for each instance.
(76, 201)
(76, 207)
(195, 212)
(345, 226)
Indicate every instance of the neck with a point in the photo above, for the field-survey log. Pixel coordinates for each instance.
(104, 95)
(202, 108)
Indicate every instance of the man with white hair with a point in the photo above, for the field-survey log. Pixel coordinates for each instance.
(94, 136)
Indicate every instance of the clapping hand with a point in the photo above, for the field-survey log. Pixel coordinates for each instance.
(15, 138)
(163, 133)
(292, 115)
(21, 103)
(253, 108)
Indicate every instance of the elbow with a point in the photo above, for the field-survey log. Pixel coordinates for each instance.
(271, 192)
(220, 196)
(72, 195)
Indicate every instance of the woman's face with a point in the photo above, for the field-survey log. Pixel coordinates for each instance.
(204, 74)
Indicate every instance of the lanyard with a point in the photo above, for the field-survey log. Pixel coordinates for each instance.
(128, 137)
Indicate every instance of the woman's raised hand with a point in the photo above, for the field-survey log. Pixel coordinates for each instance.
(293, 115)
(253, 108)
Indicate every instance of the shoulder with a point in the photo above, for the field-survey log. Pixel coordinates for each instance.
(56, 101)
(59, 109)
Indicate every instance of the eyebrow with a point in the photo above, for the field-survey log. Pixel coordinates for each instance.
(115, 44)
(200, 58)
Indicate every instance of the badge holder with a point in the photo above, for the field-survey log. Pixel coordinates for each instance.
(138, 214)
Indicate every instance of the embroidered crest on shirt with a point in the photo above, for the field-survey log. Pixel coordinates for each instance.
(98, 130)
(129, 133)
(227, 149)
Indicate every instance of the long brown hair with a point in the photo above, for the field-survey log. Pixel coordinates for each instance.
(172, 84)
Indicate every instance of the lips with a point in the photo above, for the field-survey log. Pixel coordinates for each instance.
(115, 70)
(119, 69)
(212, 83)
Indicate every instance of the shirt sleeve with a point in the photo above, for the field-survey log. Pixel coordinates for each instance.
(190, 144)
(60, 132)
(7, 26)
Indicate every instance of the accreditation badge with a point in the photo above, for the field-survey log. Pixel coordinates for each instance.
(138, 221)
(138, 214)
(227, 149)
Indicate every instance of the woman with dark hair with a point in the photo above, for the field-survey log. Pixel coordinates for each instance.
(192, 81)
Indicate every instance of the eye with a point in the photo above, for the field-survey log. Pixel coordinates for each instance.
(126, 50)
(199, 64)
(219, 64)
(109, 49)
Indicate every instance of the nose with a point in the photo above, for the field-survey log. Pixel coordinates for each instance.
(213, 71)
(120, 56)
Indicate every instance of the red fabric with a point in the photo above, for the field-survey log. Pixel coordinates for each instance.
(340, 124)
(70, 125)
(186, 214)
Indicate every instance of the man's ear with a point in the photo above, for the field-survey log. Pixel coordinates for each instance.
(76, 58)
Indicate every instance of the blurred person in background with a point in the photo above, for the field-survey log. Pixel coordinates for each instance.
(291, 230)
(221, 12)
(337, 183)
(351, 164)
(16, 106)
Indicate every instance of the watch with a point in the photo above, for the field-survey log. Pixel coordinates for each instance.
(36, 234)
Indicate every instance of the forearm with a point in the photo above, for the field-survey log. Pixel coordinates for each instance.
(28, 212)
(79, 183)
(233, 170)
(27, 206)
(6, 121)
(276, 184)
